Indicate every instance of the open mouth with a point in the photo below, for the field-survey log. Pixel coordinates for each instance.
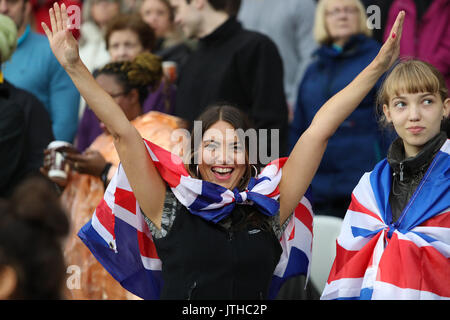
(222, 173)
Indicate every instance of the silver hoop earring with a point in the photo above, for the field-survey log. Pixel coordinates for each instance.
(198, 175)
(256, 170)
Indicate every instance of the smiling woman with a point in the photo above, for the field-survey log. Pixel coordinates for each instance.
(222, 157)
(224, 243)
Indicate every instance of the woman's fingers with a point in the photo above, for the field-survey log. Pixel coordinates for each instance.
(64, 16)
(57, 10)
(52, 20)
(47, 31)
(397, 28)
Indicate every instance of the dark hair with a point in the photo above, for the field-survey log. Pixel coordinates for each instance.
(220, 5)
(32, 227)
(143, 72)
(236, 118)
(134, 23)
(244, 216)
(233, 7)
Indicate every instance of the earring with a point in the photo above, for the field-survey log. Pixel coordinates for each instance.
(198, 175)
(256, 170)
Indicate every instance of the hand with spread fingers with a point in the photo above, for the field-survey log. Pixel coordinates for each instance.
(62, 42)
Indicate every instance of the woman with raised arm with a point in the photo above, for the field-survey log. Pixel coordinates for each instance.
(222, 242)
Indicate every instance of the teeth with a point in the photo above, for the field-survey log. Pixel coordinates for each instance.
(222, 170)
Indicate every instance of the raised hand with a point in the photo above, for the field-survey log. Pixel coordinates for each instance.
(62, 42)
(390, 50)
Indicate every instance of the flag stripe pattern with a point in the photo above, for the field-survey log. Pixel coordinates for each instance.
(119, 238)
(409, 259)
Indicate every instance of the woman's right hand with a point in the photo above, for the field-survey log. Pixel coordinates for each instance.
(62, 42)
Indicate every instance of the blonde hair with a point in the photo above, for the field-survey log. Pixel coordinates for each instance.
(410, 76)
(320, 32)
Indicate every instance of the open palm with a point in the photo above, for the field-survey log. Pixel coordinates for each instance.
(62, 42)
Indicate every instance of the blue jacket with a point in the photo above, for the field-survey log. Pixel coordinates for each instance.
(34, 68)
(358, 144)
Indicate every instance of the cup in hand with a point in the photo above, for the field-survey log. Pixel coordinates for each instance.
(58, 167)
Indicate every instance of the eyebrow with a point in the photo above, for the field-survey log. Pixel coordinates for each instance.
(421, 96)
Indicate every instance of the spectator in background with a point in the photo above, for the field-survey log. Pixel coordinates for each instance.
(32, 227)
(96, 16)
(427, 32)
(40, 13)
(345, 49)
(289, 24)
(33, 67)
(231, 64)
(171, 45)
(95, 167)
(126, 37)
(25, 127)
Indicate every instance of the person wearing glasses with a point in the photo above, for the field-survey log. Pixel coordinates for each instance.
(346, 48)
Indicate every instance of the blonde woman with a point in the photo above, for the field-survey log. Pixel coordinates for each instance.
(346, 48)
(394, 241)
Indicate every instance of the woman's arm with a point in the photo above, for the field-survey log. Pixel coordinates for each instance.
(147, 184)
(305, 158)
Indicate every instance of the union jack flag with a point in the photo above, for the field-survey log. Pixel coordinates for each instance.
(119, 238)
(409, 259)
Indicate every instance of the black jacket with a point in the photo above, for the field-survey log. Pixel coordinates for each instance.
(407, 173)
(25, 131)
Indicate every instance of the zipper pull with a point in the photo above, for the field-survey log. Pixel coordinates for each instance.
(191, 288)
(401, 171)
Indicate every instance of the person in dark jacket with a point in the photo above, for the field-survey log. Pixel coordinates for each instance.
(346, 49)
(231, 64)
(25, 125)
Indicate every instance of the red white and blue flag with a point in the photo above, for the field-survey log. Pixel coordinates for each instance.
(409, 259)
(119, 237)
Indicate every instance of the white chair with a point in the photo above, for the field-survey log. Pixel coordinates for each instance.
(326, 230)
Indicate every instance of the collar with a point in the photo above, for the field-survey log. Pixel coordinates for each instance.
(224, 31)
(354, 45)
(24, 35)
(396, 155)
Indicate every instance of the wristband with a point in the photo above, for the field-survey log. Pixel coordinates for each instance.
(104, 174)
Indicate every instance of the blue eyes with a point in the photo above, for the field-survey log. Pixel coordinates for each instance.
(399, 104)
(402, 104)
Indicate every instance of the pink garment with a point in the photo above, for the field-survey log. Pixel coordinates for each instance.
(427, 40)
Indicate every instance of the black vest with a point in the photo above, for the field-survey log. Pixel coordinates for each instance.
(205, 261)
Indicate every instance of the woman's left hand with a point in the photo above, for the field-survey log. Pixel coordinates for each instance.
(90, 162)
(390, 50)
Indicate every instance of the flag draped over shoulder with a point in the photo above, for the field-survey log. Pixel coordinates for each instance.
(409, 259)
(119, 238)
